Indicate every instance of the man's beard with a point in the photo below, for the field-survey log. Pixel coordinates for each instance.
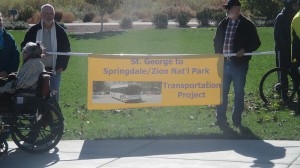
(231, 15)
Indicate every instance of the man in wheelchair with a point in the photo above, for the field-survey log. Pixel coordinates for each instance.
(28, 74)
(35, 122)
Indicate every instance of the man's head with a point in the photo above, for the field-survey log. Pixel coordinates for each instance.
(33, 50)
(231, 3)
(291, 4)
(47, 14)
(233, 8)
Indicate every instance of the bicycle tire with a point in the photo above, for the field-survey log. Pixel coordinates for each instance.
(270, 87)
(39, 130)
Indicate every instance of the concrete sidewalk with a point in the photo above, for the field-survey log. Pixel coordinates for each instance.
(189, 153)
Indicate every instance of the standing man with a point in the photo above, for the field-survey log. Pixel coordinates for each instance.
(238, 35)
(295, 43)
(54, 39)
(9, 54)
(282, 37)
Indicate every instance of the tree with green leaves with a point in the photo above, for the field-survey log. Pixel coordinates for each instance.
(267, 9)
(105, 7)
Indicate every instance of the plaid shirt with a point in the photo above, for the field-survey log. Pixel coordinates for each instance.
(229, 36)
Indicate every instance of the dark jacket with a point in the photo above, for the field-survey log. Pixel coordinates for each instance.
(9, 55)
(282, 30)
(63, 44)
(246, 37)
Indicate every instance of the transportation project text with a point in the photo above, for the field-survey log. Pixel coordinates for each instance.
(160, 80)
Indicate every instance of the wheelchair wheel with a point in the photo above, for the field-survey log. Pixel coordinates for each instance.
(3, 147)
(37, 128)
(270, 88)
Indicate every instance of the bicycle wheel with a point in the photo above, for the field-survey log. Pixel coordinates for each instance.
(270, 88)
(37, 128)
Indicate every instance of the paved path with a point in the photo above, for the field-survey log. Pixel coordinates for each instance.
(114, 26)
(191, 153)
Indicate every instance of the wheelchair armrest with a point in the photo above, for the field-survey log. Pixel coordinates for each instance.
(43, 84)
(26, 92)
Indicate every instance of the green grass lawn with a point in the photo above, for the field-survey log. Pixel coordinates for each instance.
(165, 122)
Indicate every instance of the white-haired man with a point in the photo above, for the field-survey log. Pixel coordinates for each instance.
(54, 39)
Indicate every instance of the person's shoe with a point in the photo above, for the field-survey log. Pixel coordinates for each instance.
(283, 102)
(223, 125)
(244, 131)
(237, 125)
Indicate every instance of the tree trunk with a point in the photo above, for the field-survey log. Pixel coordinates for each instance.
(101, 27)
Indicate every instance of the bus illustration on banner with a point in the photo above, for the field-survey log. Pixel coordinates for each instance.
(131, 92)
(126, 92)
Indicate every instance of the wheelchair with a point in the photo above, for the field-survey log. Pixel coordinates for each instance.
(32, 117)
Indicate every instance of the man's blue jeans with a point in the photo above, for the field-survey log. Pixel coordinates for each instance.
(55, 84)
(236, 73)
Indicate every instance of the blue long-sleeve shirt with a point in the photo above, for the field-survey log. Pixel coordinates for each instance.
(9, 55)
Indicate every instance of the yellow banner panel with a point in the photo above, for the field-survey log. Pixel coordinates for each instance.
(134, 81)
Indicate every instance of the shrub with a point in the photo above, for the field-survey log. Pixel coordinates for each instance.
(88, 17)
(173, 12)
(141, 14)
(17, 25)
(4, 9)
(97, 19)
(126, 23)
(58, 15)
(183, 19)
(68, 17)
(118, 14)
(204, 16)
(26, 13)
(160, 21)
(218, 15)
(34, 19)
(262, 22)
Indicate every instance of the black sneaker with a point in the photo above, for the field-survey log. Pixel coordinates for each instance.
(237, 125)
(222, 125)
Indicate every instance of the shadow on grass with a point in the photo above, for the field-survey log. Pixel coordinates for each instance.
(97, 35)
(230, 133)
